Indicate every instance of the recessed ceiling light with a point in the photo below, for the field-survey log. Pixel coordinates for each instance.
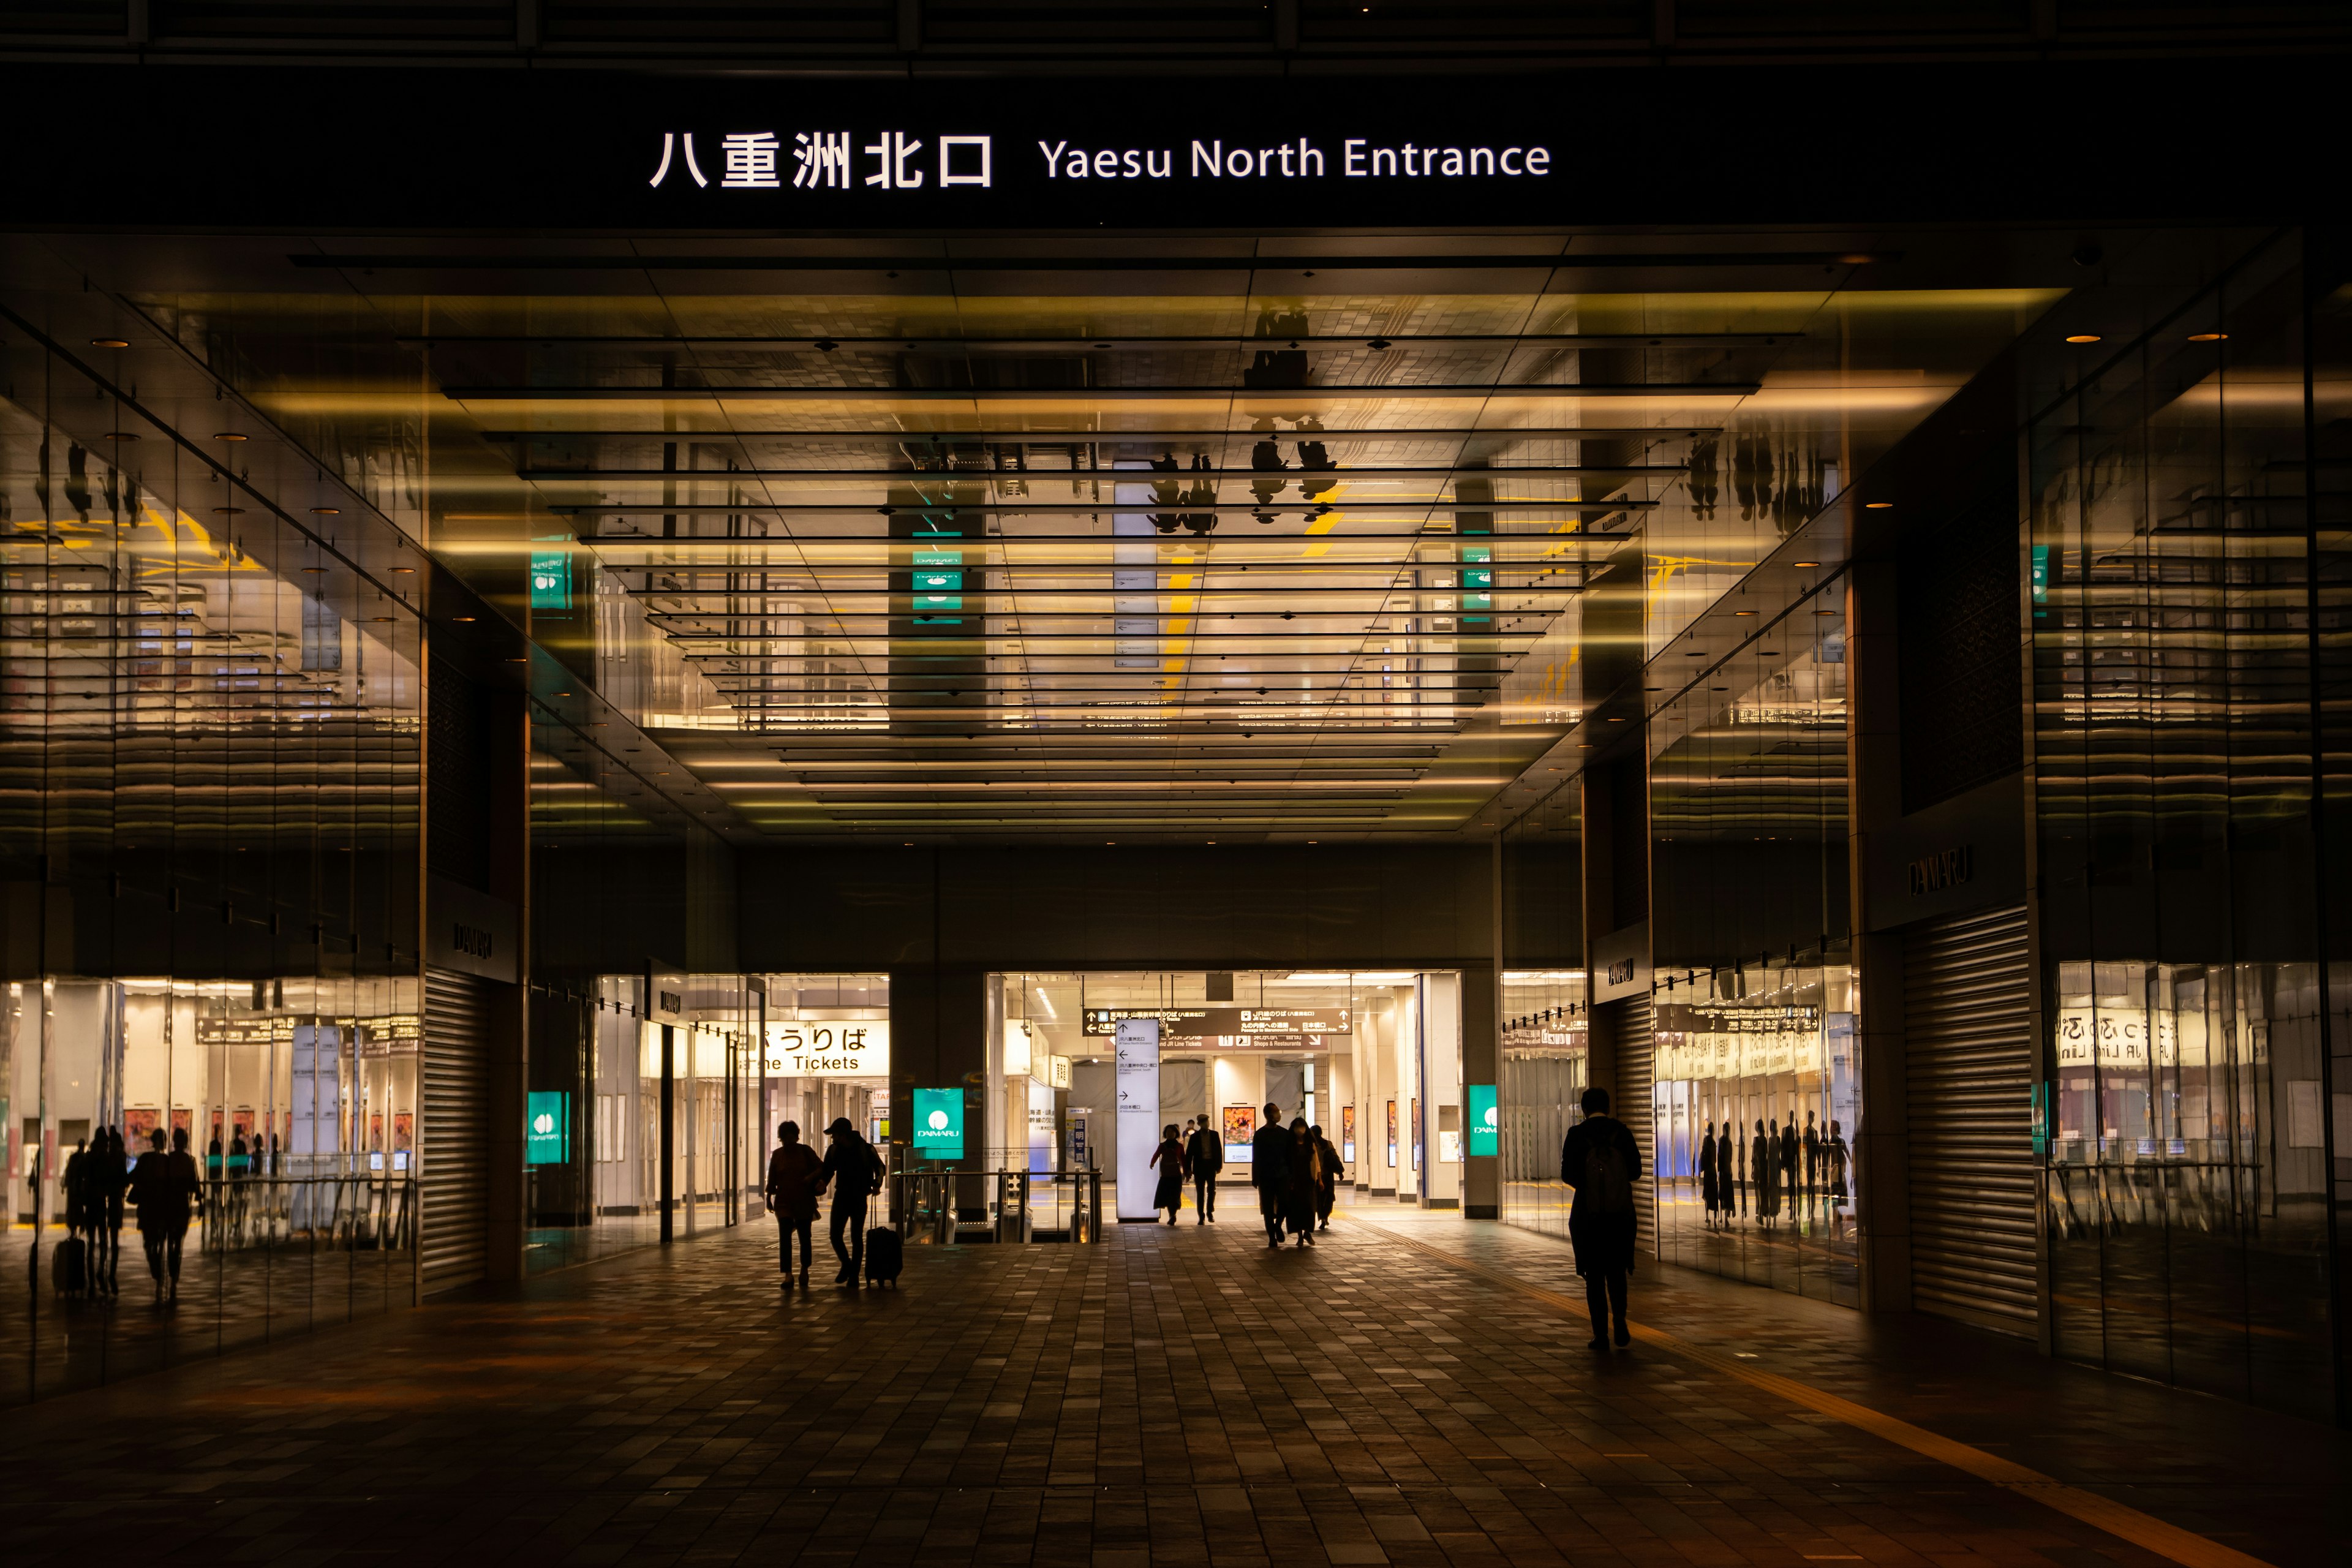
(326, 511)
(1877, 505)
(563, 694)
(381, 620)
(461, 617)
(2208, 337)
(110, 342)
(231, 436)
(1825, 612)
(314, 568)
(118, 436)
(408, 569)
(1804, 563)
(2082, 337)
(1743, 612)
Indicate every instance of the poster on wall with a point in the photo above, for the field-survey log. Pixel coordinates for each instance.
(1413, 1131)
(1136, 1074)
(138, 1125)
(1392, 1137)
(1348, 1134)
(1240, 1127)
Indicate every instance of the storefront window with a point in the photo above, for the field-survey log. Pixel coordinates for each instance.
(1756, 1098)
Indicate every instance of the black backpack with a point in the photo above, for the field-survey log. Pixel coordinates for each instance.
(1606, 1180)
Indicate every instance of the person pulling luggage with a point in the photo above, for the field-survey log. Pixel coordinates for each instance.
(854, 1170)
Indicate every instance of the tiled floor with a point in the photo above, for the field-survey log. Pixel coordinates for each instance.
(1175, 1395)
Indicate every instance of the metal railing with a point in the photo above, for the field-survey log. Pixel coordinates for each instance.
(948, 1207)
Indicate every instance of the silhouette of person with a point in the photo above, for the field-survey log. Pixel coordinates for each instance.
(852, 1162)
(1708, 1192)
(1269, 1170)
(1812, 1160)
(1600, 1159)
(1169, 1160)
(1204, 1154)
(163, 1187)
(794, 1172)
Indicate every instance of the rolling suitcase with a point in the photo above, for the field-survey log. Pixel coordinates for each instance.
(70, 1266)
(884, 1257)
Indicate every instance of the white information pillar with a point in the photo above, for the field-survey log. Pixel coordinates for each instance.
(1139, 1115)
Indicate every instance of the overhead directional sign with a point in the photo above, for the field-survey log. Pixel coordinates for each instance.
(1210, 1023)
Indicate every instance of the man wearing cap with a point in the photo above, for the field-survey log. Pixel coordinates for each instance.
(851, 1160)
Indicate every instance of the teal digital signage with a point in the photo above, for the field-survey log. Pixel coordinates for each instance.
(546, 1129)
(939, 1123)
(1485, 1120)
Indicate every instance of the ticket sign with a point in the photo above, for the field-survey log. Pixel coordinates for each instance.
(547, 1128)
(828, 1047)
(1486, 1124)
(1267, 1025)
(939, 1123)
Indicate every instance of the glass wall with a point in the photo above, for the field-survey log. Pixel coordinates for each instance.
(2174, 760)
(1757, 1099)
(210, 731)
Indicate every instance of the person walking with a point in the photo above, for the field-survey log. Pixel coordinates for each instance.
(1813, 1160)
(793, 1171)
(1330, 1167)
(1760, 1160)
(1600, 1159)
(1269, 1169)
(115, 1174)
(1789, 1162)
(852, 1163)
(1708, 1190)
(1204, 1153)
(161, 1188)
(1169, 1158)
(1833, 1151)
(1302, 1183)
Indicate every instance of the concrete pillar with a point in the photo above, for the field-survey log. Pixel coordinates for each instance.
(1441, 1095)
(939, 1040)
(507, 727)
(1482, 1052)
(1881, 1146)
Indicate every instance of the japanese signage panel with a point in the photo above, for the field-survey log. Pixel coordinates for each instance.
(1136, 1127)
(828, 1047)
(1263, 1025)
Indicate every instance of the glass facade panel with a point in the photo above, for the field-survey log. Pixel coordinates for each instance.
(210, 750)
(1756, 1093)
(2173, 597)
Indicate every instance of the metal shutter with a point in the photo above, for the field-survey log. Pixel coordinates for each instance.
(1636, 1059)
(1968, 1042)
(454, 1182)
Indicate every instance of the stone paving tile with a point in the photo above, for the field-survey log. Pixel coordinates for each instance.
(1176, 1395)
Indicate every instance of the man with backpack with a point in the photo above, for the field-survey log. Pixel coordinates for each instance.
(854, 1170)
(1601, 1161)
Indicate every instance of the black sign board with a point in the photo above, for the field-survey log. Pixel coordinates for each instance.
(1227, 1023)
